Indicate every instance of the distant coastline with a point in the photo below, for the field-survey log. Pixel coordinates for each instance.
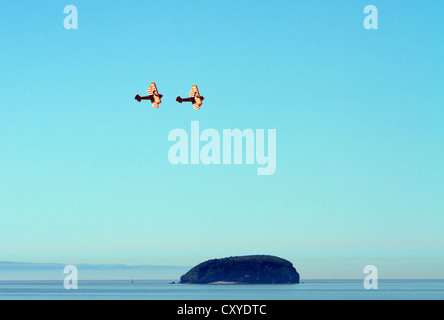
(19, 271)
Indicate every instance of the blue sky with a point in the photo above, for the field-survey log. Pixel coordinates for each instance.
(84, 170)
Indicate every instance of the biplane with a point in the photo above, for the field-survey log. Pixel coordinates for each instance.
(195, 98)
(154, 96)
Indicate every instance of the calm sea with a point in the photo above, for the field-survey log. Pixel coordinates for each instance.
(162, 290)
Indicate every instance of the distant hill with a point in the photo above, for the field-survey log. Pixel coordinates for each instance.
(54, 271)
(245, 270)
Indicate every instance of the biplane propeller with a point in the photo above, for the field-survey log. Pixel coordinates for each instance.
(195, 98)
(154, 96)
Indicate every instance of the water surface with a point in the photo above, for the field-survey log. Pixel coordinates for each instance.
(163, 290)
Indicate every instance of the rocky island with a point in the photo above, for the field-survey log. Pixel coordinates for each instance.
(243, 270)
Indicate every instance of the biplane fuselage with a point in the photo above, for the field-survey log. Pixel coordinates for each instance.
(195, 98)
(154, 96)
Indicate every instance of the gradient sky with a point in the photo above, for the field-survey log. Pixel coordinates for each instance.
(84, 170)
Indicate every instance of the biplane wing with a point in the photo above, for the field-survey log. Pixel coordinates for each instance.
(194, 93)
(152, 91)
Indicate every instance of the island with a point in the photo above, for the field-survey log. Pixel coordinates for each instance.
(257, 269)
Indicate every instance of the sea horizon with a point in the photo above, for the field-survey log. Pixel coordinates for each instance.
(91, 272)
(46, 281)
